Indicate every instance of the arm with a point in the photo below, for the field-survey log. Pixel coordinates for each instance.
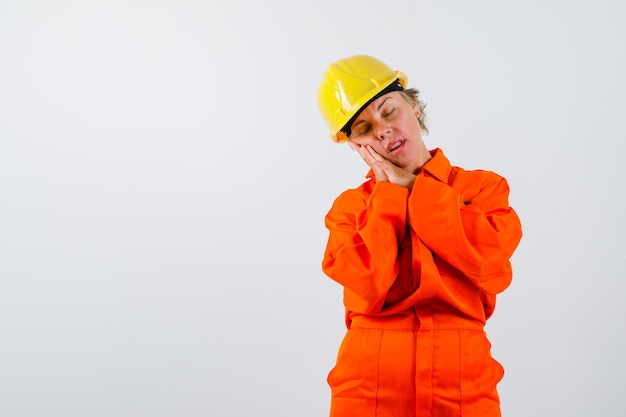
(469, 225)
(362, 248)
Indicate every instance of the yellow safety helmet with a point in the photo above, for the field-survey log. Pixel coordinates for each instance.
(350, 84)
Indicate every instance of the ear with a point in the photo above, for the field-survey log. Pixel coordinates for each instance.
(416, 109)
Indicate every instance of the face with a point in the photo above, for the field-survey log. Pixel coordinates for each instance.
(390, 125)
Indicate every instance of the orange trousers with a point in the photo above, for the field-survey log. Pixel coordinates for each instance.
(415, 365)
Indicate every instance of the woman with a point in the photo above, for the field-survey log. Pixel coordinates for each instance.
(421, 248)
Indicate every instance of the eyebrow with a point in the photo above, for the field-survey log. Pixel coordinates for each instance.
(382, 102)
(377, 109)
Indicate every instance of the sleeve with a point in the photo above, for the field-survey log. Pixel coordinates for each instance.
(477, 234)
(364, 235)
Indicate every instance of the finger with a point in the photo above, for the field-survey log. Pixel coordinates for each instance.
(365, 154)
(375, 155)
(362, 151)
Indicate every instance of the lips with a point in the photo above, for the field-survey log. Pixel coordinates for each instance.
(394, 146)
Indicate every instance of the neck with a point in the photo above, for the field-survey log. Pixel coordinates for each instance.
(423, 157)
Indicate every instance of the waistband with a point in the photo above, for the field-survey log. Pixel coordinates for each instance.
(415, 320)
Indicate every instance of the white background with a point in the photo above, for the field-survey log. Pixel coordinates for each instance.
(164, 174)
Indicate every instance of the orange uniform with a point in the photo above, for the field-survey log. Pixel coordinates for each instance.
(420, 271)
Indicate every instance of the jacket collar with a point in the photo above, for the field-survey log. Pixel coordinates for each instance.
(438, 166)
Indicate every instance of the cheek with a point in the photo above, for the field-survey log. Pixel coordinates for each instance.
(363, 142)
(411, 127)
(379, 148)
(375, 144)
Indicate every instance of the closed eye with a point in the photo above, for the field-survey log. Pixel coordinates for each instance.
(389, 113)
(363, 130)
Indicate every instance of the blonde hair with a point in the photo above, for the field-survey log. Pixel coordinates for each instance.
(412, 95)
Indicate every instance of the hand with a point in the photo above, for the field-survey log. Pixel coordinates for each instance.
(384, 170)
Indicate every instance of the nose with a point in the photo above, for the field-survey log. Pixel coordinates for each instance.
(382, 132)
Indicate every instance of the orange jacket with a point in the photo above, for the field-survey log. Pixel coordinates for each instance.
(445, 244)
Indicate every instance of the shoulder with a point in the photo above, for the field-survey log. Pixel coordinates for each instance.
(354, 197)
(440, 167)
(478, 183)
(459, 173)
